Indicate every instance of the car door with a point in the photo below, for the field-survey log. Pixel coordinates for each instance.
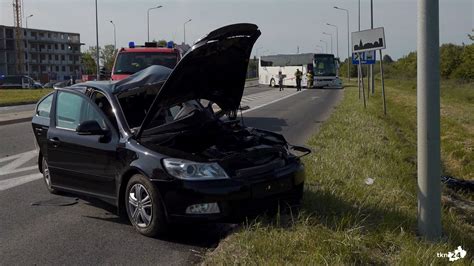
(40, 121)
(84, 163)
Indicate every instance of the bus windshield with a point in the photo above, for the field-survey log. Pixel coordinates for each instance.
(324, 65)
(130, 63)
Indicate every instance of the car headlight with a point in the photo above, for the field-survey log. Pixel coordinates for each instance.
(184, 169)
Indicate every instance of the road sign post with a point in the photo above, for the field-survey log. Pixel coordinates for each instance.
(362, 80)
(383, 86)
(428, 120)
(370, 41)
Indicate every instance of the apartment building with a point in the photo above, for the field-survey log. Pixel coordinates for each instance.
(47, 55)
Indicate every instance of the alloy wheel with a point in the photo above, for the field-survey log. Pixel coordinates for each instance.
(140, 205)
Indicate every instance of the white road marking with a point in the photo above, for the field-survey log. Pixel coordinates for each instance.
(23, 169)
(274, 101)
(16, 161)
(17, 181)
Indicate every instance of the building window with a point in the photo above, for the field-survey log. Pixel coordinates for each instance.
(62, 46)
(49, 35)
(50, 57)
(56, 57)
(56, 46)
(62, 36)
(41, 34)
(33, 34)
(63, 68)
(43, 68)
(57, 68)
(70, 57)
(49, 46)
(63, 57)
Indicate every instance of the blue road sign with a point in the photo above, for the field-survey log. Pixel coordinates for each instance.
(368, 58)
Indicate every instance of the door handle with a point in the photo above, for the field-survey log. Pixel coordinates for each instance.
(55, 141)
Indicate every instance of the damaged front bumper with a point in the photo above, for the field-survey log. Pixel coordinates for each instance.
(233, 199)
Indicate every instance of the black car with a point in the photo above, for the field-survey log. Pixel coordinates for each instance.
(150, 145)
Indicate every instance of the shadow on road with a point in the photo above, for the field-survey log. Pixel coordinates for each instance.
(266, 123)
(198, 235)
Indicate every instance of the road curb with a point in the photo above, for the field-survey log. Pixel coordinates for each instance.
(15, 121)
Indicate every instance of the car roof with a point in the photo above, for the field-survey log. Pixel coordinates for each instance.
(148, 50)
(148, 77)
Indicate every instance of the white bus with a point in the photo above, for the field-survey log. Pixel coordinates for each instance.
(323, 67)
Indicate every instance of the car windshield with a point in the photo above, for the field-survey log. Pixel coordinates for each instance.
(130, 63)
(324, 66)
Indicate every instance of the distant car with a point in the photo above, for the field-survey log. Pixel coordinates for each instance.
(148, 145)
(18, 82)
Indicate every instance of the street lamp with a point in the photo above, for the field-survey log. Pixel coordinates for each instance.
(320, 47)
(256, 51)
(348, 50)
(97, 58)
(27, 20)
(184, 26)
(148, 19)
(115, 36)
(325, 33)
(326, 43)
(337, 38)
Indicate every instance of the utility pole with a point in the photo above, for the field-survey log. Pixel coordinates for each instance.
(97, 58)
(184, 26)
(325, 33)
(428, 119)
(326, 43)
(372, 78)
(115, 36)
(337, 38)
(148, 20)
(349, 58)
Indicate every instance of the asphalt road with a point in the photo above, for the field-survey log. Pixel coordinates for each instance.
(36, 229)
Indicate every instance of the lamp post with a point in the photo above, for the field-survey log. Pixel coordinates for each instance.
(326, 43)
(325, 33)
(115, 36)
(97, 42)
(320, 47)
(256, 51)
(337, 38)
(184, 26)
(148, 19)
(348, 40)
(27, 20)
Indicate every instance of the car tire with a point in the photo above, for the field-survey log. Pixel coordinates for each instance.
(47, 176)
(144, 207)
(272, 83)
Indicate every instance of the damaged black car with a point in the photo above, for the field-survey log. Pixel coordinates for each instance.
(154, 145)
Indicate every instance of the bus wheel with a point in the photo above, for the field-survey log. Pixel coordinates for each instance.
(272, 83)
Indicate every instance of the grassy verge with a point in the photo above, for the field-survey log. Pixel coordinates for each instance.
(21, 96)
(344, 220)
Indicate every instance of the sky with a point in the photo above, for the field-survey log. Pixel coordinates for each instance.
(286, 25)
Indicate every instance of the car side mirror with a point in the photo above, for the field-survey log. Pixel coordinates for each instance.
(90, 127)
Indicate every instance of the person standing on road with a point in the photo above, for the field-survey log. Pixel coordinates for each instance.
(280, 80)
(298, 75)
(309, 77)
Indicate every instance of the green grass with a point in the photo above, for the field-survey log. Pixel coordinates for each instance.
(21, 96)
(345, 221)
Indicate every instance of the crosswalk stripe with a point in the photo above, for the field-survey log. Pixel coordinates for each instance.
(17, 181)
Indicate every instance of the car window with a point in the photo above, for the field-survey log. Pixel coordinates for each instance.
(104, 105)
(72, 109)
(44, 107)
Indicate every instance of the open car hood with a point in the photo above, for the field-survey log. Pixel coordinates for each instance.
(214, 69)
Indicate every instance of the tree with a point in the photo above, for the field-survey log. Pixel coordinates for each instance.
(88, 61)
(450, 58)
(387, 59)
(471, 36)
(107, 56)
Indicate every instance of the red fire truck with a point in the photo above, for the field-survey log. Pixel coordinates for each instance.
(135, 58)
